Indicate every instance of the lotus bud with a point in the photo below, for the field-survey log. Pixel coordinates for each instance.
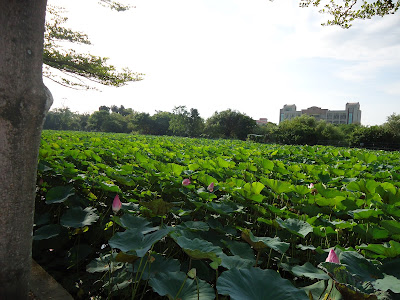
(332, 257)
(186, 182)
(116, 206)
(210, 188)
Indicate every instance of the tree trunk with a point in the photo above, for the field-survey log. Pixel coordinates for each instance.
(24, 101)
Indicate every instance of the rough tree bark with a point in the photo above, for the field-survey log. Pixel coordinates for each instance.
(24, 101)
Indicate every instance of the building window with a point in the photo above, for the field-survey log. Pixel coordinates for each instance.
(350, 118)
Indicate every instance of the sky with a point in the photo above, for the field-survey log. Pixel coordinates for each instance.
(252, 56)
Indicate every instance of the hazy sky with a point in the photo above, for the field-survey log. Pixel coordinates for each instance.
(253, 56)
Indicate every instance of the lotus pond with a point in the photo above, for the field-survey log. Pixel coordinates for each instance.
(216, 219)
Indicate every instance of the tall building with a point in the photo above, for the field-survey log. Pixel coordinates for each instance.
(351, 115)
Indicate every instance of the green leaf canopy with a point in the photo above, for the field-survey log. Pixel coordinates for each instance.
(169, 284)
(254, 283)
(77, 217)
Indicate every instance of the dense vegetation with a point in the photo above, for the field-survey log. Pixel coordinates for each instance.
(228, 124)
(206, 219)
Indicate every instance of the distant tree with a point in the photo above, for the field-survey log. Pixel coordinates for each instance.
(62, 119)
(114, 109)
(195, 123)
(229, 124)
(372, 137)
(161, 121)
(97, 119)
(140, 123)
(300, 130)
(393, 125)
(121, 110)
(104, 108)
(329, 133)
(125, 111)
(179, 122)
(83, 121)
(114, 123)
(267, 130)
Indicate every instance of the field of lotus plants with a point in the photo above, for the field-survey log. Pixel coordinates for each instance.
(143, 217)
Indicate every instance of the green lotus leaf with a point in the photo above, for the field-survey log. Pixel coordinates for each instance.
(357, 186)
(77, 217)
(391, 210)
(364, 213)
(388, 282)
(170, 284)
(277, 186)
(195, 225)
(391, 225)
(124, 180)
(47, 232)
(350, 292)
(223, 208)
(240, 249)
(243, 256)
(109, 187)
(268, 165)
(59, 194)
(390, 249)
(371, 231)
(319, 289)
(206, 195)
(103, 264)
(134, 242)
(305, 248)
(140, 224)
(359, 266)
(119, 280)
(273, 243)
(176, 169)
(338, 272)
(295, 226)
(207, 179)
(301, 189)
(258, 284)
(125, 258)
(309, 271)
(324, 177)
(326, 192)
(367, 157)
(158, 207)
(254, 188)
(160, 264)
(236, 262)
(223, 163)
(199, 248)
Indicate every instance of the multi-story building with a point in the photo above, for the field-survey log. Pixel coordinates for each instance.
(262, 121)
(351, 115)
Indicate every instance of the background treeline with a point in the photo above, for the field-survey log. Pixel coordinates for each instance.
(228, 124)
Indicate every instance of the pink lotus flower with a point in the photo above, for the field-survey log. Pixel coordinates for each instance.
(116, 206)
(311, 186)
(210, 188)
(332, 257)
(186, 182)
